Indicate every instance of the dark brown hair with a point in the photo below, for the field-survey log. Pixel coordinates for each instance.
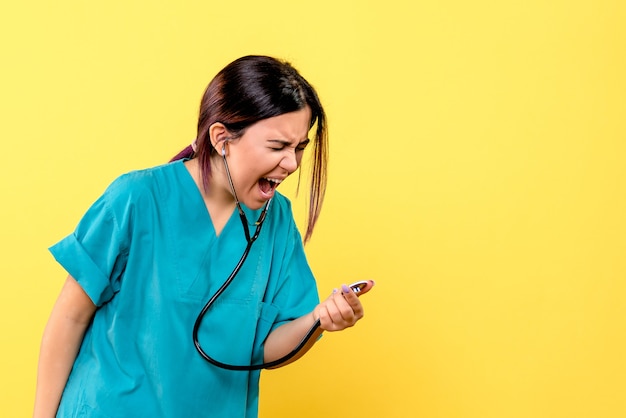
(253, 88)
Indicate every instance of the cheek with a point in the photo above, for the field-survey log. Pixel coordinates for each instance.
(256, 163)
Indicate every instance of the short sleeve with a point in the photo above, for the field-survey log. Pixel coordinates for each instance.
(95, 253)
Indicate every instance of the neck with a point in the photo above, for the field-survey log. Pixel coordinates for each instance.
(217, 196)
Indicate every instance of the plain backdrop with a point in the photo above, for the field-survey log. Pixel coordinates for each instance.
(477, 174)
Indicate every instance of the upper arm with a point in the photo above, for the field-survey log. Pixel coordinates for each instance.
(73, 303)
(95, 254)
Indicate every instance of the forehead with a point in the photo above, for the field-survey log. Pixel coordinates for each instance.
(292, 126)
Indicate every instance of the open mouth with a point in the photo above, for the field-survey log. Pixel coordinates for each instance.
(268, 185)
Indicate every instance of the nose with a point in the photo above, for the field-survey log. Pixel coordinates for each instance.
(290, 161)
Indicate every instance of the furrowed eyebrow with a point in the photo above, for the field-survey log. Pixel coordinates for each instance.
(288, 144)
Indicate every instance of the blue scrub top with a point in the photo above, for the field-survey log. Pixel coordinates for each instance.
(147, 255)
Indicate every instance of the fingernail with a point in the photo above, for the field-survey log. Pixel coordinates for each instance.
(345, 289)
(334, 291)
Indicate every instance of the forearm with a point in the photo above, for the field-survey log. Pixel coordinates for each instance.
(59, 347)
(339, 311)
(285, 338)
(60, 343)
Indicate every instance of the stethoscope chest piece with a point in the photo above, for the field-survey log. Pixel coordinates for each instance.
(362, 287)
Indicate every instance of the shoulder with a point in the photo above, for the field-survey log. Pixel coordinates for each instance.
(137, 187)
(282, 220)
(281, 206)
(140, 181)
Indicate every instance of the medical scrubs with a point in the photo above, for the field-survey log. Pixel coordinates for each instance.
(148, 256)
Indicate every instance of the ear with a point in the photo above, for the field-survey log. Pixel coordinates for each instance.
(218, 134)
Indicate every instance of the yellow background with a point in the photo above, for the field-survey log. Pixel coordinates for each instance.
(477, 174)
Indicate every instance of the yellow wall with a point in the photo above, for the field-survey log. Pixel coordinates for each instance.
(477, 175)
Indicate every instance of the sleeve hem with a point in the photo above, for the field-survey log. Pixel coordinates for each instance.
(71, 255)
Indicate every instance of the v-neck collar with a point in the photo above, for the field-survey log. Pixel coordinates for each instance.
(193, 190)
(196, 194)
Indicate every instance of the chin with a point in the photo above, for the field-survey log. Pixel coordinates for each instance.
(256, 205)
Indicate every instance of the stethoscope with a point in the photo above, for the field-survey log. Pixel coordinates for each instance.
(359, 288)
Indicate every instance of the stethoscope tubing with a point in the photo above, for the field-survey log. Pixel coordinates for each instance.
(218, 293)
(250, 240)
(359, 288)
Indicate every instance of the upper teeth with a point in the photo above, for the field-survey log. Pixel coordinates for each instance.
(277, 181)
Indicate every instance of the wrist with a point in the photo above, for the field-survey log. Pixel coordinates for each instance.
(314, 316)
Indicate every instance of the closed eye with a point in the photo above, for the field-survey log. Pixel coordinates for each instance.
(279, 145)
(302, 145)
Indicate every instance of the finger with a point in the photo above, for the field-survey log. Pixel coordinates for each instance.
(326, 310)
(329, 317)
(352, 300)
(341, 312)
(329, 313)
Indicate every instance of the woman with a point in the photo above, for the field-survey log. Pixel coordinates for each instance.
(160, 242)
